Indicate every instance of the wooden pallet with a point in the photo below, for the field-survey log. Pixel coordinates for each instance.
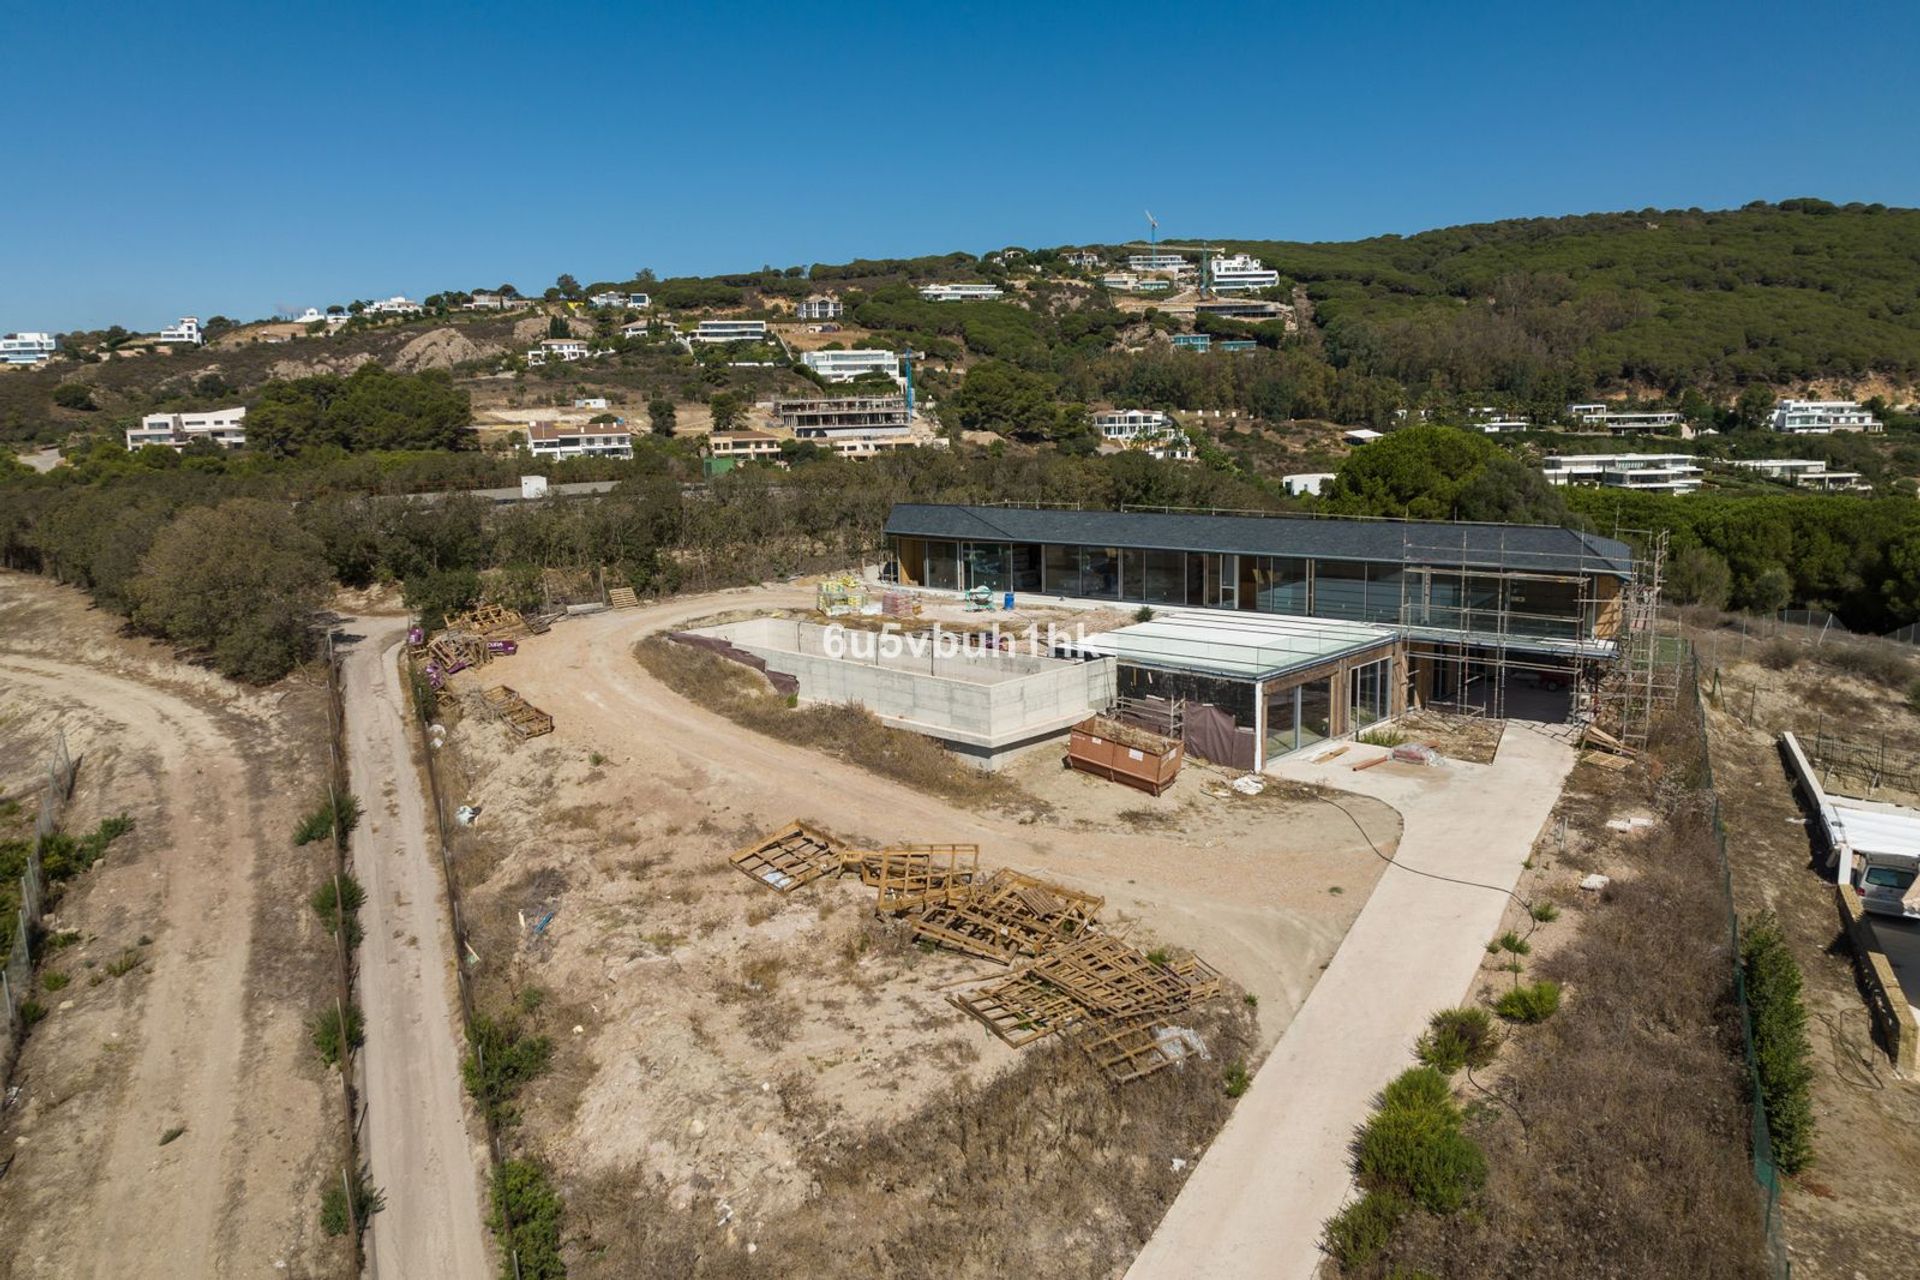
(489, 621)
(1020, 1009)
(1007, 917)
(1124, 1049)
(519, 715)
(788, 858)
(1107, 976)
(622, 598)
(455, 650)
(915, 875)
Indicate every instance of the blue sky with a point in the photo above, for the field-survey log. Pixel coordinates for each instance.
(233, 159)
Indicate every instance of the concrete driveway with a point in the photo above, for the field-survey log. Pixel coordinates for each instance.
(1255, 1206)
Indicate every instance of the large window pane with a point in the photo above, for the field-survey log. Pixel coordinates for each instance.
(1062, 566)
(1282, 717)
(1316, 711)
(1100, 579)
(1383, 593)
(1286, 590)
(1133, 574)
(986, 565)
(1197, 579)
(1340, 590)
(943, 566)
(1025, 567)
(1165, 578)
(1537, 608)
(1371, 693)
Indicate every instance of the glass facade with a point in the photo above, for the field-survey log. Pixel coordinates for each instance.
(1370, 694)
(1299, 716)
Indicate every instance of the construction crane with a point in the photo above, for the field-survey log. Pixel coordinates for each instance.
(1153, 231)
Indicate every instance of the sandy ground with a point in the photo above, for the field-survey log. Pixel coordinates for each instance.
(696, 997)
(1853, 1212)
(206, 1032)
(1280, 1168)
(422, 1153)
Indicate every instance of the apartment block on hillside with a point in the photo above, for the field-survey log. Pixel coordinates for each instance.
(555, 440)
(224, 427)
(827, 418)
(1823, 417)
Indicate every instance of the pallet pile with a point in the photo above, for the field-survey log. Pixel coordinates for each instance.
(489, 622)
(1067, 975)
(519, 715)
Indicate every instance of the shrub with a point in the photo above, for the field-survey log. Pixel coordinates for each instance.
(320, 823)
(1544, 912)
(1779, 654)
(54, 980)
(63, 857)
(1913, 697)
(1530, 1003)
(1457, 1038)
(1381, 737)
(334, 1033)
(499, 1060)
(32, 1011)
(1780, 1047)
(526, 1217)
(1362, 1229)
(1877, 661)
(367, 1201)
(335, 897)
(1414, 1148)
(1510, 941)
(1237, 1079)
(1143, 614)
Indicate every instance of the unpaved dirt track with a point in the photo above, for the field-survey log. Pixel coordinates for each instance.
(208, 1035)
(422, 1154)
(1254, 1207)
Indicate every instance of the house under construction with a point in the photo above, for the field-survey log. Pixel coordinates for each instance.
(1536, 622)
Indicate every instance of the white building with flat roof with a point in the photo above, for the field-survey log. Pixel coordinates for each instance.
(225, 427)
(1805, 473)
(1822, 417)
(1173, 263)
(27, 348)
(187, 331)
(821, 306)
(1615, 422)
(1306, 483)
(397, 305)
(845, 366)
(567, 349)
(1240, 273)
(960, 292)
(1147, 430)
(729, 331)
(558, 440)
(1650, 472)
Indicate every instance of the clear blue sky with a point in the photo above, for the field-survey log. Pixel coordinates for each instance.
(231, 159)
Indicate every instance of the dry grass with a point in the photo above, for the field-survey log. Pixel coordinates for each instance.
(1618, 1140)
(848, 732)
(1046, 1170)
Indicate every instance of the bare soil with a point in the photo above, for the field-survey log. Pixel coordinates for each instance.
(738, 1069)
(197, 966)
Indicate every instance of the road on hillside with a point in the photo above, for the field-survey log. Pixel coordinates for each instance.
(423, 1156)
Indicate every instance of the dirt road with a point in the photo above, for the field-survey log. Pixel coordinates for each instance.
(418, 1143)
(1255, 1206)
(186, 1010)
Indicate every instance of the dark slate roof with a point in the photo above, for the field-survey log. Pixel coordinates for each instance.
(1519, 547)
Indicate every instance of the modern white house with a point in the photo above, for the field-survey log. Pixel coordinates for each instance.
(591, 402)
(1495, 421)
(867, 446)
(1359, 436)
(1147, 430)
(1172, 263)
(960, 292)
(1240, 273)
(1607, 419)
(225, 427)
(1806, 473)
(1822, 417)
(1128, 282)
(485, 301)
(1651, 472)
(27, 348)
(639, 328)
(558, 440)
(729, 331)
(568, 349)
(1306, 483)
(821, 306)
(845, 366)
(186, 332)
(397, 305)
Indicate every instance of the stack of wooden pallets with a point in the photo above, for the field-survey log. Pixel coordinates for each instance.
(489, 622)
(519, 715)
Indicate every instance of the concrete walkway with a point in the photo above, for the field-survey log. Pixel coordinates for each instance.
(1256, 1204)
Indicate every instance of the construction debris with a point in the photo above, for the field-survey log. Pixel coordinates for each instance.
(1067, 975)
(622, 598)
(1416, 753)
(489, 622)
(521, 716)
(1595, 736)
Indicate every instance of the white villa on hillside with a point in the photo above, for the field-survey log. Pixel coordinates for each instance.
(397, 305)
(729, 331)
(1607, 419)
(558, 349)
(845, 366)
(187, 331)
(558, 440)
(1306, 483)
(960, 292)
(1147, 430)
(27, 348)
(821, 306)
(225, 427)
(1240, 272)
(1822, 417)
(1805, 473)
(1652, 472)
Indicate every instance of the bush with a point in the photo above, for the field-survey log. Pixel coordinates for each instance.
(62, 857)
(1877, 661)
(338, 897)
(1238, 1079)
(367, 1201)
(1534, 1003)
(334, 1034)
(1362, 1229)
(319, 824)
(526, 1217)
(1510, 941)
(1779, 654)
(1380, 737)
(1544, 912)
(1780, 1045)
(1413, 1146)
(1457, 1038)
(499, 1060)
(74, 395)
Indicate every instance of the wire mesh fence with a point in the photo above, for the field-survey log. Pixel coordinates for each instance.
(1765, 1173)
(16, 980)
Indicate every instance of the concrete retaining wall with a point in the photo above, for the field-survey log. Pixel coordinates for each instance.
(981, 703)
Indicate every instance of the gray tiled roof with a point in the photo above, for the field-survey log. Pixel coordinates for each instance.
(1520, 547)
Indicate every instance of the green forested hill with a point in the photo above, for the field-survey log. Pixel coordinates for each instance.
(1675, 298)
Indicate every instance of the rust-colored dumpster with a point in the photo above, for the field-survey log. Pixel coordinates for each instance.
(1120, 752)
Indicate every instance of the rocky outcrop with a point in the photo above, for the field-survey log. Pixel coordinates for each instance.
(437, 349)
